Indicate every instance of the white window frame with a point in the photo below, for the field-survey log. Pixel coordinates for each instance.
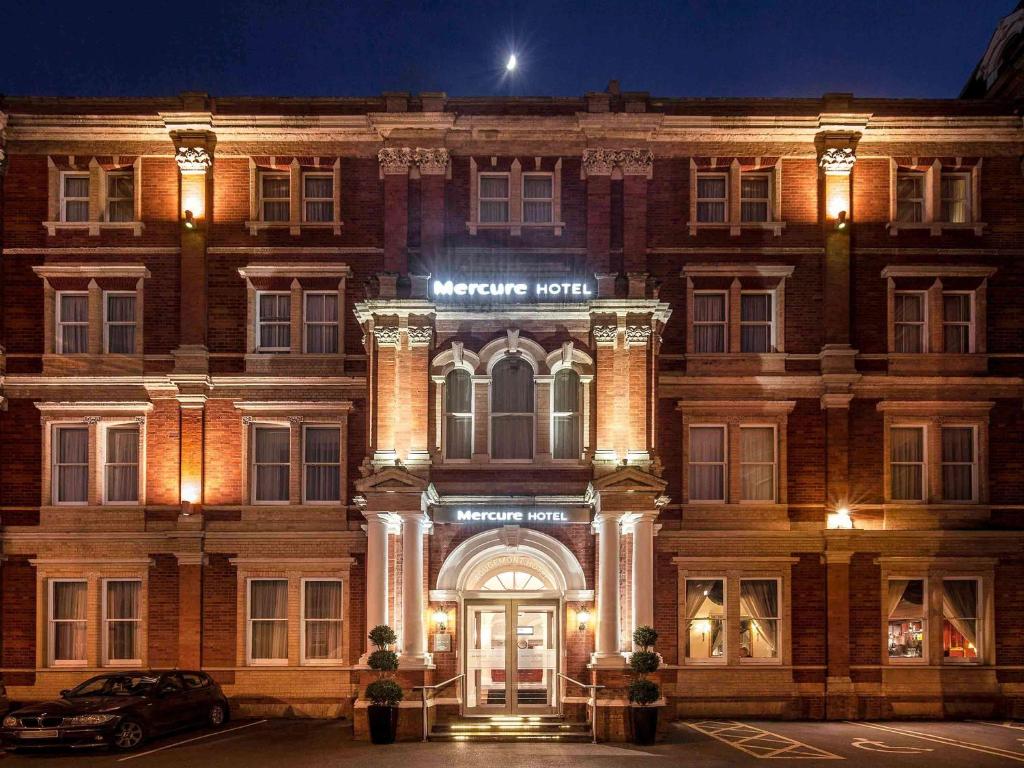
(106, 621)
(918, 201)
(54, 465)
(550, 200)
(306, 322)
(263, 200)
(64, 199)
(249, 660)
(724, 322)
(59, 340)
(107, 323)
(109, 178)
(256, 425)
(723, 200)
(925, 617)
(924, 324)
(551, 423)
(971, 336)
(507, 199)
(724, 463)
(774, 427)
(260, 322)
(924, 463)
(779, 628)
(447, 413)
(724, 659)
(772, 321)
(52, 622)
(341, 461)
(980, 624)
(102, 455)
(305, 199)
(314, 662)
(767, 200)
(973, 464)
(968, 201)
(492, 415)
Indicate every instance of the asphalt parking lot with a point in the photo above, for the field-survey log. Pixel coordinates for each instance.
(313, 743)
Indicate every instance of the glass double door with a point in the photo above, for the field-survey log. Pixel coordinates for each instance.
(511, 657)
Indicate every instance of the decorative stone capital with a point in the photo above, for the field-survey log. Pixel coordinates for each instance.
(605, 334)
(632, 162)
(395, 159)
(636, 162)
(3, 143)
(838, 162)
(432, 161)
(637, 334)
(193, 160)
(420, 335)
(386, 335)
(598, 162)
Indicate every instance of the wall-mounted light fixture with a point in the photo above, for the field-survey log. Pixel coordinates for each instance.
(190, 220)
(841, 220)
(582, 618)
(441, 619)
(840, 519)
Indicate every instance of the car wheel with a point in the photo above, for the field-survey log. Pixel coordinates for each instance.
(218, 714)
(128, 735)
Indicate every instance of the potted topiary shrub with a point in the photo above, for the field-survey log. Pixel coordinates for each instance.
(384, 693)
(644, 692)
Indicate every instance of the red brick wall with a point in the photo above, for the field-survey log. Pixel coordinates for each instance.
(162, 621)
(220, 598)
(18, 618)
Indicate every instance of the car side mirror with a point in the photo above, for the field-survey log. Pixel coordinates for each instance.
(65, 692)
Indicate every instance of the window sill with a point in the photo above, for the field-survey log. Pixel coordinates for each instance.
(268, 662)
(294, 228)
(775, 227)
(735, 362)
(937, 363)
(935, 227)
(515, 228)
(93, 227)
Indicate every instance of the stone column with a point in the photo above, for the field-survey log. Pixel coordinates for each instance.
(607, 652)
(416, 393)
(377, 529)
(414, 641)
(642, 524)
(607, 405)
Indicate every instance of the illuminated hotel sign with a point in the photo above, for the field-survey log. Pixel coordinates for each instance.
(512, 515)
(514, 291)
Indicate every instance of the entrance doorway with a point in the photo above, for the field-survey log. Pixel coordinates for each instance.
(511, 656)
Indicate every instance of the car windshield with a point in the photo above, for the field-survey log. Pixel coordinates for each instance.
(115, 685)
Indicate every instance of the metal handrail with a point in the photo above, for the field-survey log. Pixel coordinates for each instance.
(423, 697)
(595, 689)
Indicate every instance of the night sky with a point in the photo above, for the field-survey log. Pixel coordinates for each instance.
(918, 48)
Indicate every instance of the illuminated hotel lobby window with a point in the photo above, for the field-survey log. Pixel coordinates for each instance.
(705, 608)
(906, 619)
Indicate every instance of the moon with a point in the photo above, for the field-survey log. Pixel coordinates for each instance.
(512, 63)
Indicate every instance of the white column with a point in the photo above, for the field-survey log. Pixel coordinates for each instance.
(607, 646)
(643, 570)
(376, 572)
(414, 642)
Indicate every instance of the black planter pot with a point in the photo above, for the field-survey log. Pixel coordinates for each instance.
(383, 723)
(645, 724)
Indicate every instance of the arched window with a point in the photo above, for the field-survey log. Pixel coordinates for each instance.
(458, 412)
(513, 580)
(565, 415)
(512, 409)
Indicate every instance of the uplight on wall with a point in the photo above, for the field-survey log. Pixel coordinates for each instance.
(440, 618)
(190, 492)
(840, 520)
(837, 163)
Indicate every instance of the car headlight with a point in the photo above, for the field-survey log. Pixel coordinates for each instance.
(10, 722)
(88, 719)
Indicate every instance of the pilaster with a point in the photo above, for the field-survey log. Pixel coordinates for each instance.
(394, 171)
(836, 163)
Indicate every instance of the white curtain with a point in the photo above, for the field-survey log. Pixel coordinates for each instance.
(908, 330)
(122, 461)
(72, 463)
(707, 463)
(757, 452)
(897, 588)
(906, 453)
(323, 463)
(69, 620)
(537, 210)
(74, 318)
(321, 323)
(275, 320)
(960, 609)
(697, 592)
(123, 614)
(121, 324)
(512, 406)
(957, 463)
(268, 613)
(272, 463)
(754, 197)
(756, 322)
(121, 197)
(276, 191)
(711, 193)
(458, 406)
(709, 322)
(76, 209)
(323, 619)
(566, 409)
(956, 315)
(909, 197)
(759, 601)
(319, 198)
(491, 210)
(954, 199)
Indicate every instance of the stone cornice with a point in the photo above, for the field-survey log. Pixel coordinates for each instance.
(286, 269)
(47, 271)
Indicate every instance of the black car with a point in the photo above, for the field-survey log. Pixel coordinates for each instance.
(119, 709)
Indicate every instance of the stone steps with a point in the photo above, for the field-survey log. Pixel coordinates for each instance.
(512, 729)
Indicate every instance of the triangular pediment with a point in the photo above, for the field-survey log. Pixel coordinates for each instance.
(393, 479)
(629, 479)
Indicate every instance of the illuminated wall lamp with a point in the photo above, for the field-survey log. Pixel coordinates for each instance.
(441, 619)
(840, 520)
(582, 618)
(190, 220)
(841, 220)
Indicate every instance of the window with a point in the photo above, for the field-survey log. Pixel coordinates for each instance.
(909, 321)
(72, 323)
(712, 197)
(907, 619)
(321, 321)
(71, 465)
(705, 619)
(273, 322)
(271, 464)
(74, 199)
(538, 198)
(514, 580)
(275, 196)
(755, 197)
(121, 470)
(512, 409)
(960, 612)
(321, 459)
(119, 323)
(958, 322)
(710, 322)
(68, 623)
(707, 463)
(910, 197)
(120, 196)
(458, 406)
(906, 451)
(955, 198)
(318, 197)
(756, 322)
(322, 620)
(757, 463)
(959, 465)
(759, 619)
(268, 621)
(121, 621)
(565, 415)
(494, 208)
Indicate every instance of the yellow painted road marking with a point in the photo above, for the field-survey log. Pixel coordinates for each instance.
(1006, 724)
(760, 743)
(187, 741)
(984, 748)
